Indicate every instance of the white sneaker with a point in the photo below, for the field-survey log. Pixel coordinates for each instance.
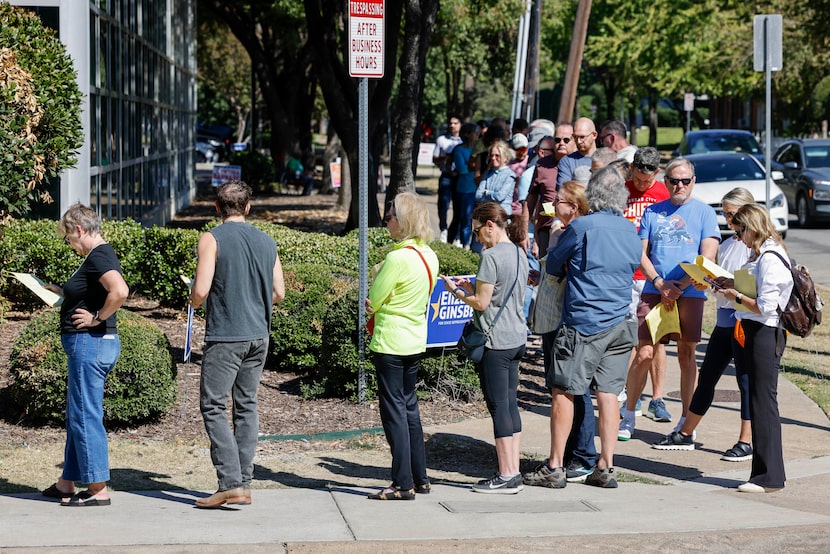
(623, 396)
(457, 243)
(444, 235)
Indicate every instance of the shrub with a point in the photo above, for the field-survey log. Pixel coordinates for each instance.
(127, 239)
(169, 254)
(40, 141)
(142, 385)
(297, 321)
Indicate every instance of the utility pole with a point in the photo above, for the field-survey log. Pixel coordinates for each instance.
(566, 106)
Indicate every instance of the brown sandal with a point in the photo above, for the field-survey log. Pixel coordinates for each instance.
(393, 493)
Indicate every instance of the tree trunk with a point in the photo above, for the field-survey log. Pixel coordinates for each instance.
(418, 26)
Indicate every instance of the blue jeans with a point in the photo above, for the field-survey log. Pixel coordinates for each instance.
(397, 378)
(90, 359)
(445, 186)
(232, 369)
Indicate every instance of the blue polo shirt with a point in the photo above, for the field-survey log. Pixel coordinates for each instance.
(600, 251)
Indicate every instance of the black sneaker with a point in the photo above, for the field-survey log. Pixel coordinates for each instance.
(576, 472)
(604, 478)
(675, 441)
(741, 452)
(544, 476)
(497, 485)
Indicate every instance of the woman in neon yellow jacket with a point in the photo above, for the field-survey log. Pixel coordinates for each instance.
(398, 300)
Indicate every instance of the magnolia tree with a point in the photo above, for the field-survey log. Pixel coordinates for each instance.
(40, 106)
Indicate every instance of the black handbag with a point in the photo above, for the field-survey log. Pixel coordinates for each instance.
(472, 341)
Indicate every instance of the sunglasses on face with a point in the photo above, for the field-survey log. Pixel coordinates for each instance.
(729, 215)
(674, 182)
(477, 229)
(566, 140)
(646, 168)
(739, 232)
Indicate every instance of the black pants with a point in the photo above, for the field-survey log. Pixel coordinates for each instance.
(721, 350)
(397, 377)
(499, 371)
(762, 353)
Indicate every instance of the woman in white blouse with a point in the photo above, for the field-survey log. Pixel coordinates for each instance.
(764, 341)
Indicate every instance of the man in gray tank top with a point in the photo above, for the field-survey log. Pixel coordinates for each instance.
(238, 279)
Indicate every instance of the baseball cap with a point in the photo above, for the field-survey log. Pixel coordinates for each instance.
(518, 141)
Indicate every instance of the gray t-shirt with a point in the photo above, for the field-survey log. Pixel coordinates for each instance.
(498, 267)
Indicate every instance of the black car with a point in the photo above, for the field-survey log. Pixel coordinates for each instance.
(719, 140)
(805, 164)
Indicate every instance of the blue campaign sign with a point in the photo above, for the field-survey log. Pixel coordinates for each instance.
(446, 316)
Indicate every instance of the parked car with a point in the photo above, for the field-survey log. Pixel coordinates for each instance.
(719, 172)
(719, 140)
(805, 178)
(208, 149)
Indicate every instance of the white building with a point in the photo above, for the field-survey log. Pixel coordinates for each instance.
(136, 64)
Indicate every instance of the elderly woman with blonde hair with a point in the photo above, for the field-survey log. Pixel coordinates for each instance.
(398, 300)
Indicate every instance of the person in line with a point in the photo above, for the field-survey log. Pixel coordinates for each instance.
(464, 198)
(644, 190)
(764, 341)
(597, 254)
(497, 183)
(613, 134)
(398, 300)
(673, 231)
(601, 157)
(722, 349)
(543, 183)
(500, 282)
(580, 452)
(442, 158)
(585, 136)
(238, 279)
(89, 336)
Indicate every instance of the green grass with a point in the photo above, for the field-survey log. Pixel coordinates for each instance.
(667, 137)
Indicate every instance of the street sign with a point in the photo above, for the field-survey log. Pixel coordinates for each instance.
(767, 43)
(689, 102)
(366, 44)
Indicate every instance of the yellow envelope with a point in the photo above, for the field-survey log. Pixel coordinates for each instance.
(704, 270)
(662, 322)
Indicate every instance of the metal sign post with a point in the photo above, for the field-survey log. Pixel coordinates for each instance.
(366, 55)
(768, 57)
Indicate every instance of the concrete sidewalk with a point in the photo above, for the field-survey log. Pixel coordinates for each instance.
(667, 500)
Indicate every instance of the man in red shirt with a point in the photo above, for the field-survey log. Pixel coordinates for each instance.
(644, 190)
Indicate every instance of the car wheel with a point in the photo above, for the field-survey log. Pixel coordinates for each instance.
(802, 211)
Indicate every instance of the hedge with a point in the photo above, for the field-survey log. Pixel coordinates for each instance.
(142, 385)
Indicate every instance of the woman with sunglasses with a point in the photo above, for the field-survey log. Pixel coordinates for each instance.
(500, 283)
(764, 340)
(398, 299)
(498, 181)
(721, 350)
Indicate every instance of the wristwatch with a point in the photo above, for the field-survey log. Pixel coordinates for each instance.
(96, 318)
(739, 298)
(654, 281)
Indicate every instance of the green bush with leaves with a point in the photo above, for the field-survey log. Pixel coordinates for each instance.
(141, 387)
(33, 246)
(40, 128)
(297, 321)
(169, 253)
(257, 169)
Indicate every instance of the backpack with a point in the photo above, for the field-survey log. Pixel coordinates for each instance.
(803, 311)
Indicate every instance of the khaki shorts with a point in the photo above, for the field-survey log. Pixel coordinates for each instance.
(690, 313)
(597, 361)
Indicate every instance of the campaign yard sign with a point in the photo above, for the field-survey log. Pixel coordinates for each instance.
(446, 316)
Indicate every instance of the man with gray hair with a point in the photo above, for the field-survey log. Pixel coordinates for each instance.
(614, 135)
(597, 254)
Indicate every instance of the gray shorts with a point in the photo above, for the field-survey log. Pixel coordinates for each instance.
(597, 361)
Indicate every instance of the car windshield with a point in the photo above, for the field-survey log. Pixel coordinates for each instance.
(737, 168)
(724, 143)
(817, 156)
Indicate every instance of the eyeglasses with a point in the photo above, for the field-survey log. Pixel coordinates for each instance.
(729, 215)
(603, 137)
(580, 138)
(560, 200)
(566, 140)
(477, 229)
(674, 182)
(646, 168)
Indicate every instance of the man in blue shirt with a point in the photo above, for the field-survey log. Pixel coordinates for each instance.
(598, 254)
(672, 231)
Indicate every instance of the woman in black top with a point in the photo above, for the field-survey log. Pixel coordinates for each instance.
(88, 334)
